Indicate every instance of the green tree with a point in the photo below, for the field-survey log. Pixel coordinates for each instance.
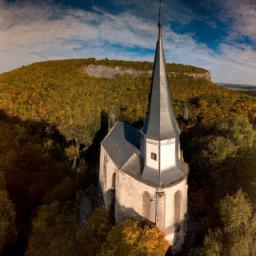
(236, 235)
(238, 129)
(212, 245)
(219, 148)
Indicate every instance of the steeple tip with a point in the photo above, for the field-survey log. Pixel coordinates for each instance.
(160, 15)
(160, 123)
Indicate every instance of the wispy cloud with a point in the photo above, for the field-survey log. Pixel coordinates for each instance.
(32, 32)
(241, 15)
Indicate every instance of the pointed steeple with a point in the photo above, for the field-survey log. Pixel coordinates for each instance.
(160, 16)
(160, 122)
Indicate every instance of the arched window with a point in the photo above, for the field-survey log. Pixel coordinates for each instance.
(113, 184)
(113, 195)
(178, 207)
(105, 159)
(146, 204)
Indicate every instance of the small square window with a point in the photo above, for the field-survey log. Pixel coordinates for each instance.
(153, 156)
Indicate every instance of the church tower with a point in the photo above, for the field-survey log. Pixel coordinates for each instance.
(142, 172)
(160, 134)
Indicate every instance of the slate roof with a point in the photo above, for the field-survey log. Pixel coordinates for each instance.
(121, 143)
(163, 179)
(123, 146)
(160, 122)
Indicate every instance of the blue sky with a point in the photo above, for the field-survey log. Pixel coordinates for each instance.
(217, 35)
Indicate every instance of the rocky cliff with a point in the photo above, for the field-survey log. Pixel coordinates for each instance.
(107, 72)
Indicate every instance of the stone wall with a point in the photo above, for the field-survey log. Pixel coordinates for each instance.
(107, 171)
(138, 200)
(130, 198)
(135, 199)
(170, 209)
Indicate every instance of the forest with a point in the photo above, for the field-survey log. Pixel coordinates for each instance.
(53, 117)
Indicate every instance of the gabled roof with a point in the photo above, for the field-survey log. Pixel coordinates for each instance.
(121, 143)
(160, 122)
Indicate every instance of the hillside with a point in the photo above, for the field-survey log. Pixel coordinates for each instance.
(61, 93)
(247, 89)
(52, 119)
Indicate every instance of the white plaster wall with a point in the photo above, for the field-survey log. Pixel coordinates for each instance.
(170, 223)
(167, 154)
(105, 176)
(129, 197)
(129, 192)
(152, 147)
(165, 151)
(179, 152)
(102, 175)
(170, 202)
(165, 209)
(111, 169)
(160, 209)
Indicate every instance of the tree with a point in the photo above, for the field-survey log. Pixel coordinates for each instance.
(212, 245)
(236, 235)
(132, 238)
(56, 232)
(7, 217)
(238, 129)
(94, 233)
(219, 148)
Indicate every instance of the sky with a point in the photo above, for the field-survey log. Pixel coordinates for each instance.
(214, 34)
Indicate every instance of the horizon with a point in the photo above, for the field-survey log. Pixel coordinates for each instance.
(213, 35)
(98, 59)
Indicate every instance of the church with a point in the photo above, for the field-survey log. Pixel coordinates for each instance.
(142, 172)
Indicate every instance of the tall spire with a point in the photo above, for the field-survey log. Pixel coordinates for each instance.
(160, 15)
(160, 122)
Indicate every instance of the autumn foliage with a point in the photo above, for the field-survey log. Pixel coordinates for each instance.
(50, 129)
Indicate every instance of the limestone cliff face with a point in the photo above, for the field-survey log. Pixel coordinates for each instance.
(106, 72)
(203, 75)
